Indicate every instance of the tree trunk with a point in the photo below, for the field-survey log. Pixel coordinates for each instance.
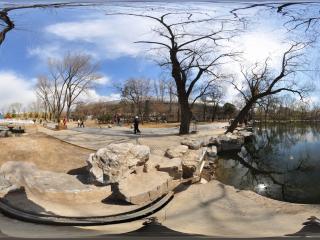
(68, 112)
(241, 116)
(214, 112)
(186, 116)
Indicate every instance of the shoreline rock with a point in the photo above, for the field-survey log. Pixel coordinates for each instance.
(110, 164)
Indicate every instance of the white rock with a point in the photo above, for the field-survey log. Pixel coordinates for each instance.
(212, 151)
(229, 142)
(176, 152)
(193, 144)
(145, 187)
(190, 163)
(110, 164)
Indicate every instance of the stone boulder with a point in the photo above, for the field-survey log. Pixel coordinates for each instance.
(145, 187)
(176, 152)
(246, 134)
(47, 185)
(228, 142)
(114, 162)
(193, 144)
(212, 151)
(190, 163)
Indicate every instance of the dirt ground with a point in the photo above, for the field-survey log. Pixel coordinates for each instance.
(46, 152)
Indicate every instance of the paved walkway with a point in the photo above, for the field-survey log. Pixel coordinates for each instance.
(85, 140)
(146, 132)
(95, 138)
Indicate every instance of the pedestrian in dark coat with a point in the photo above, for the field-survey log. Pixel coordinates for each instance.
(136, 125)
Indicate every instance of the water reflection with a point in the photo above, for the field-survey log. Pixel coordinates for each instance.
(281, 162)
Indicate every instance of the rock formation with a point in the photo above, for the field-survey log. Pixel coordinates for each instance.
(193, 144)
(176, 152)
(50, 186)
(110, 164)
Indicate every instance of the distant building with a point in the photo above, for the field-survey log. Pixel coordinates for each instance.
(1, 116)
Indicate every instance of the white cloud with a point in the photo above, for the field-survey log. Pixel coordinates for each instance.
(92, 96)
(103, 80)
(113, 36)
(46, 51)
(14, 88)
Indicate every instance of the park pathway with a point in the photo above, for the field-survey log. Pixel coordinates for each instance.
(156, 138)
(85, 140)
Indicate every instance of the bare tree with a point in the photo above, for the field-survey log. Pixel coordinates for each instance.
(191, 54)
(44, 91)
(79, 73)
(214, 96)
(136, 91)
(69, 78)
(159, 89)
(15, 107)
(266, 104)
(259, 81)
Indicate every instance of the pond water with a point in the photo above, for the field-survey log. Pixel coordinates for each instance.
(283, 163)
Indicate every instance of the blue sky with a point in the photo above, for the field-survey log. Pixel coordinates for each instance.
(44, 33)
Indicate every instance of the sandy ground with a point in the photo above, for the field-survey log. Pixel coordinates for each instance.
(212, 209)
(46, 152)
(49, 153)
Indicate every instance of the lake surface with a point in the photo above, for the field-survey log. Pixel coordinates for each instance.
(283, 163)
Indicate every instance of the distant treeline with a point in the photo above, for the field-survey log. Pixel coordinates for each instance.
(152, 111)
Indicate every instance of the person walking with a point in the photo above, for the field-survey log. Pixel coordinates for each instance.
(118, 120)
(136, 125)
(82, 123)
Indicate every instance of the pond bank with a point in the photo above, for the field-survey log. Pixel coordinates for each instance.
(213, 208)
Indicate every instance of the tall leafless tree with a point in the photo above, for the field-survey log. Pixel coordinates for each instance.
(79, 73)
(260, 81)
(213, 97)
(159, 87)
(69, 78)
(136, 91)
(43, 91)
(191, 52)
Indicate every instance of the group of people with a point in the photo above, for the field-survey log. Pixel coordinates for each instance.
(80, 123)
(136, 123)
